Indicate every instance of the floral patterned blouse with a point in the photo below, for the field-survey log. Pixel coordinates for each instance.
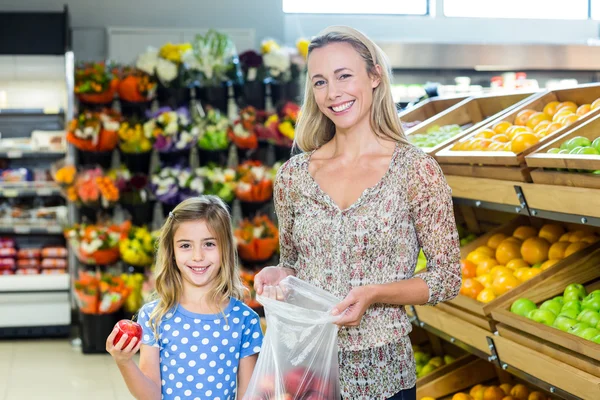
(374, 241)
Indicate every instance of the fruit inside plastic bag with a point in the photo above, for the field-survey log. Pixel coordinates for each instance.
(299, 356)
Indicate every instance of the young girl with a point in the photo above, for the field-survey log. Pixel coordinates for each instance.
(199, 340)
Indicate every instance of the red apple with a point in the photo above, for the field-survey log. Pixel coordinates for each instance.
(321, 386)
(129, 328)
(266, 384)
(314, 396)
(297, 381)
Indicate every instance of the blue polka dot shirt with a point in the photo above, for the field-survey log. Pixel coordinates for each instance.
(200, 353)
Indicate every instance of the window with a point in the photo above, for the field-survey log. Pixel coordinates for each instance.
(396, 7)
(531, 9)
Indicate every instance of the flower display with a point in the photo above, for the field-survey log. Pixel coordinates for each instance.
(257, 239)
(213, 128)
(96, 244)
(213, 56)
(95, 83)
(283, 64)
(65, 176)
(254, 183)
(171, 130)
(93, 189)
(242, 133)
(133, 138)
(280, 128)
(133, 188)
(137, 248)
(167, 64)
(100, 293)
(252, 65)
(94, 131)
(135, 85)
(171, 185)
(218, 181)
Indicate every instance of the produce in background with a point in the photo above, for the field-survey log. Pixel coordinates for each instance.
(575, 312)
(434, 136)
(257, 239)
(506, 262)
(426, 363)
(579, 145)
(528, 128)
(505, 391)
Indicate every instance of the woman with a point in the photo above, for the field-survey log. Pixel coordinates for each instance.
(355, 209)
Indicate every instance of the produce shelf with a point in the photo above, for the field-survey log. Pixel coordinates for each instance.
(428, 108)
(30, 189)
(31, 230)
(16, 154)
(34, 283)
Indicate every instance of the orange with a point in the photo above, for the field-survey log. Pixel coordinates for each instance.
(514, 240)
(567, 105)
(485, 134)
(537, 396)
(486, 295)
(488, 251)
(557, 250)
(553, 127)
(517, 263)
(575, 247)
(521, 273)
(508, 250)
(504, 283)
(468, 268)
(525, 232)
(569, 119)
(486, 280)
(530, 274)
(520, 391)
(476, 257)
(502, 138)
(551, 108)
(522, 142)
(506, 387)
(551, 232)
(477, 392)
(542, 133)
(577, 236)
(541, 126)
(535, 118)
(583, 109)
(515, 130)
(535, 250)
(565, 237)
(595, 104)
(562, 113)
(500, 270)
(590, 239)
(461, 396)
(493, 393)
(506, 398)
(458, 146)
(523, 116)
(501, 127)
(485, 266)
(548, 264)
(496, 146)
(495, 240)
(471, 288)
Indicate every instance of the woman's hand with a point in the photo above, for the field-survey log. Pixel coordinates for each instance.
(270, 276)
(355, 305)
(120, 354)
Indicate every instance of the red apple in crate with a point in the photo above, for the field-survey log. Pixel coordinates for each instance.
(297, 381)
(129, 328)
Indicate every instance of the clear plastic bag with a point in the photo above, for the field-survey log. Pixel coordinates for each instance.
(299, 357)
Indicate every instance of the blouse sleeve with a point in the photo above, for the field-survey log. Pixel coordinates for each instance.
(430, 200)
(284, 209)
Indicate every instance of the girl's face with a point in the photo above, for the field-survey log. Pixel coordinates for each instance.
(342, 87)
(197, 254)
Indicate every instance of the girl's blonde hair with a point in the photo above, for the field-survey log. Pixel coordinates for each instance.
(169, 283)
(314, 129)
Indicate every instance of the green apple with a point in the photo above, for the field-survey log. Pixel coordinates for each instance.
(551, 305)
(578, 328)
(564, 323)
(591, 302)
(422, 358)
(596, 143)
(419, 369)
(572, 305)
(589, 333)
(576, 150)
(560, 299)
(590, 151)
(523, 307)
(578, 141)
(574, 291)
(596, 339)
(553, 150)
(564, 151)
(589, 317)
(545, 317)
(448, 359)
(429, 368)
(570, 313)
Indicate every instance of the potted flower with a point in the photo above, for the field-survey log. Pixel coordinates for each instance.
(257, 239)
(96, 244)
(95, 84)
(279, 129)
(171, 185)
(137, 249)
(218, 181)
(214, 57)
(136, 91)
(247, 277)
(254, 186)
(93, 192)
(283, 65)
(135, 145)
(253, 89)
(94, 134)
(134, 195)
(173, 76)
(174, 135)
(243, 134)
(65, 176)
(213, 143)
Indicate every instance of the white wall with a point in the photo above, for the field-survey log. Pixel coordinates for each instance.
(91, 17)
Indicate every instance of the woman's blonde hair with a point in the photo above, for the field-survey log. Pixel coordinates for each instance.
(314, 129)
(169, 283)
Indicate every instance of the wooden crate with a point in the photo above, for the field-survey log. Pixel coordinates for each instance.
(471, 114)
(585, 272)
(573, 179)
(429, 108)
(481, 314)
(580, 95)
(517, 174)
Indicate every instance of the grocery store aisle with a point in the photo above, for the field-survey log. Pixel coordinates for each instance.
(53, 369)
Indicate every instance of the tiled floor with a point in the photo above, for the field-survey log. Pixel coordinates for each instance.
(54, 369)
